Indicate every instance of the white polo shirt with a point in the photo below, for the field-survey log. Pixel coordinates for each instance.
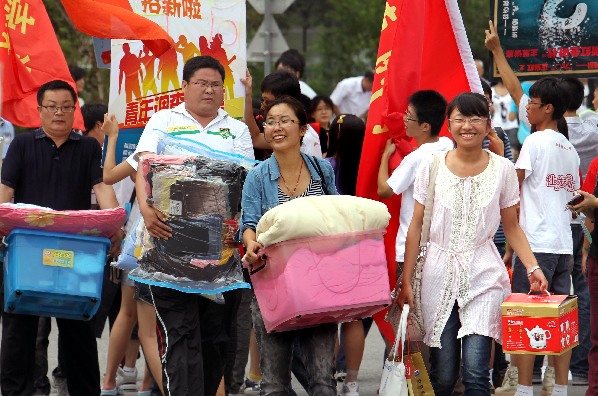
(350, 98)
(223, 133)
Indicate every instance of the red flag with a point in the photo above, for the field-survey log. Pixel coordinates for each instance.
(30, 56)
(116, 19)
(423, 45)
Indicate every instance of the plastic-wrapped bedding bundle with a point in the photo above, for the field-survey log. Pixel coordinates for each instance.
(199, 190)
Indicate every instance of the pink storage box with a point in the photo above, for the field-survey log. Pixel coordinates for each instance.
(330, 279)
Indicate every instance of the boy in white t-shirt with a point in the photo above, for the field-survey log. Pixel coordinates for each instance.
(423, 119)
(548, 171)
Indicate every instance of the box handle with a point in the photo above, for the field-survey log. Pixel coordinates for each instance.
(547, 293)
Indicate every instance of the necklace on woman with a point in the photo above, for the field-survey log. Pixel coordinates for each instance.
(292, 192)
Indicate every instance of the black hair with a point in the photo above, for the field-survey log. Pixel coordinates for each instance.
(55, 85)
(469, 104)
(346, 141)
(281, 83)
(550, 91)
(430, 107)
(315, 102)
(369, 75)
(76, 72)
(201, 62)
(93, 113)
(575, 90)
(293, 103)
(292, 59)
(486, 88)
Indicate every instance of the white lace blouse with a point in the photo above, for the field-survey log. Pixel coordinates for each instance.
(462, 264)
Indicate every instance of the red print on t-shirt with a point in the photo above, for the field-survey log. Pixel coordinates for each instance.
(560, 181)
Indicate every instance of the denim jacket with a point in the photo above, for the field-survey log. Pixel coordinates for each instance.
(260, 191)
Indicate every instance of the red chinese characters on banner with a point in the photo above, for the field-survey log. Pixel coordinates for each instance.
(138, 112)
(30, 56)
(178, 8)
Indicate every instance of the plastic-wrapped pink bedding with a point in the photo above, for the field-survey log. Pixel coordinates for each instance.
(104, 222)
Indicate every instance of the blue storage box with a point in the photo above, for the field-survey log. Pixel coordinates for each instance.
(53, 274)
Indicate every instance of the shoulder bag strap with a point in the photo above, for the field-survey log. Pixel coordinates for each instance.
(429, 201)
(315, 164)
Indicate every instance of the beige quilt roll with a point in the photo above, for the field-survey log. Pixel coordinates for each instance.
(321, 215)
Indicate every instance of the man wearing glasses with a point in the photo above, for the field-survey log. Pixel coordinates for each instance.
(192, 327)
(56, 168)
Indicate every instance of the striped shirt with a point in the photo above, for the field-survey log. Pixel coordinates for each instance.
(314, 188)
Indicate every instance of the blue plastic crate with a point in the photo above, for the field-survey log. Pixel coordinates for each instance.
(53, 274)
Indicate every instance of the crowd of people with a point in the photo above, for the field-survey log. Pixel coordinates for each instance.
(492, 197)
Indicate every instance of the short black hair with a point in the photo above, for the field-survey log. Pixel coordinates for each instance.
(55, 85)
(292, 59)
(93, 113)
(575, 90)
(486, 88)
(76, 72)
(369, 75)
(430, 107)
(550, 91)
(281, 83)
(469, 104)
(201, 62)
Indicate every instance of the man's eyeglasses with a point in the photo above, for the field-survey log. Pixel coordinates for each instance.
(205, 84)
(408, 117)
(535, 103)
(283, 123)
(472, 120)
(64, 109)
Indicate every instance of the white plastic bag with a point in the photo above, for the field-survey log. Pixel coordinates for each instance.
(394, 381)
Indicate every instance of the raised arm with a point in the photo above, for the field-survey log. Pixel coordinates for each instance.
(256, 137)
(506, 73)
(113, 173)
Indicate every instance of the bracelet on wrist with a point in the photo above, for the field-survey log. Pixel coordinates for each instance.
(586, 248)
(531, 271)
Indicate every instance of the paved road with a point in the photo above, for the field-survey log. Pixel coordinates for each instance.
(369, 376)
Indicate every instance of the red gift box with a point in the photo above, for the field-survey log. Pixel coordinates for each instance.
(539, 324)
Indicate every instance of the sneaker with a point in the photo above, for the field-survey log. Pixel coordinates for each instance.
(251, 387)
(509, 383)
(350, 389)
(127, 381)
(548, 381)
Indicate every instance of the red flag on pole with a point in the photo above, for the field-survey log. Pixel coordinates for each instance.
(30, 56)
(116, 19)
(423, 45)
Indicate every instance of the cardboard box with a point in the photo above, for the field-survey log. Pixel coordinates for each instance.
(539, 324)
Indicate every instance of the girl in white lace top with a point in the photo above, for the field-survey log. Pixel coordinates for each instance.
(464, 280)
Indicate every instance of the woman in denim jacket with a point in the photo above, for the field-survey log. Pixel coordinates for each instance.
(286, 175)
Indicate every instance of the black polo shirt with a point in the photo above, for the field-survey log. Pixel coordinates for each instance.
(59, 178)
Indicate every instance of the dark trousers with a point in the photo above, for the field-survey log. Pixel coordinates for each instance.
(579, 356)
(237, 352)
(17, 355)
(593, 356)
(192, 330)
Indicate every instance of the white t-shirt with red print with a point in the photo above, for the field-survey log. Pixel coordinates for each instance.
(551, 167)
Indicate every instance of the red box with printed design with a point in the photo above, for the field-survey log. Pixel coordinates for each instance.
(539, 324)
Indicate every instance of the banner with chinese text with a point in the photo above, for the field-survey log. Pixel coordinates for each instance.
(142, 83)
(542, 37)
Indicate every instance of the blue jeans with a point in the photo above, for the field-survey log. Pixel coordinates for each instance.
(473, 351)
(276, 354)
(579, 356)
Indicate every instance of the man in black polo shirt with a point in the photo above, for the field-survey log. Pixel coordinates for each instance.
(57, 168)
